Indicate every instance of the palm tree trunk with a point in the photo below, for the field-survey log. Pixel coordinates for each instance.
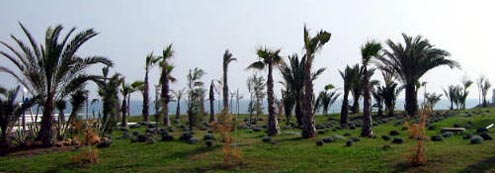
(355, 105)
(273, 128)
(344, 111)
(124, 112)
(212, 105)
(307, 119)
(177, 109)
(46, 132)
(146, 99)
(367, 127)
(164, 95)
(411, 100)
(298, 111)
(225, 87)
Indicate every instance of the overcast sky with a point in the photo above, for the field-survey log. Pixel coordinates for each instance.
(201, 31)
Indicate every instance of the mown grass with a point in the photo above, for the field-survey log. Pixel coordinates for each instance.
(289, 154)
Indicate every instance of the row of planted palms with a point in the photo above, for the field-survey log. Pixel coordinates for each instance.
(52, 72)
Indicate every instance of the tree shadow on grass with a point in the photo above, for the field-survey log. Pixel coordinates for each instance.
(481, 166)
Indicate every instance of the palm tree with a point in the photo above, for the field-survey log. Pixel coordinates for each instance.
(377, 97)
(109, 93)
(267, 59)
(51, 70)
(258, 84)
(409, 62)
(311, 46)
(126, 91)
(485, 86)
(165, 79)
(289, 101)
(432, 99)
(60, 105)
(227, 59)
(150, 61)
(77, 100)
(326, 98)
(466, 83)
(178, 94)
(10, 111)
(212, 101)
(452, 93)
(348, 76)
(357, 88)
(293, 75)
(195, 95)
(368, 51)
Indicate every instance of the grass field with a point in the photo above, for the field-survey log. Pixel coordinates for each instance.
(289, 153)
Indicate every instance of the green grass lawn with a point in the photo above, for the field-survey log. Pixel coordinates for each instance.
(289, 154)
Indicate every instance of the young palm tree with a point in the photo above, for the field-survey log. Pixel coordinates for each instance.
(348, 76)
(466, 83)
(212, 100)
(357, 88)
(60, 105)
(267, 59)
(77, 99)
(178, 96)
(150, 61)
(311, 46)
(370, 50)
(109, 93)
(51, 70)
(485, 86)
(410, 61)
(126, 91)
(195, 95)
(452, 93)
(326, 99)
(227, 59)
(432, 99)
(288, 101)
(10, 111)
(377, 97)
(165, 79)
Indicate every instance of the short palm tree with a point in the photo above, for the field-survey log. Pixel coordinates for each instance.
(51, 70)
(109, 93)
(311, 46)
(267, 59)
(227, 59)
(326, 98)
(178, 94)
(369, 50)
(195, 95)
(410, 61)
(357, 88)
(432, 99)
(10, 111)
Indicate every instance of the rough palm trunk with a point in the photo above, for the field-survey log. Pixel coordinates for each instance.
(124, 112)
(273, 128)
(344, 112)
(307, 119)
(164, 95)
(212, 106)
(411, 100)
(367, 127)
(146, 98)
(46, 132)
(225, 87)
(355, 105)
(298, 112)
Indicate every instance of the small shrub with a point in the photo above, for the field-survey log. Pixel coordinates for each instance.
(476, 140)
(436, 138)
(386, 138)
(209, 143)
(447, 134)
(394, 133)
(486, 136)
(328, 140)
(266, 139)
(209, 136)
(319, 143)
(398, 141)
(192, 140)
(186, 136)
(349, 142)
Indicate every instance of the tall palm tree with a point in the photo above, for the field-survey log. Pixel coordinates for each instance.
(267, 59)
(178, 94)
(150, 61)
(410, 61)
(52, 70)
(311, 46)
(348, 76)
(227, 59)
(165, 79)
(368, 51)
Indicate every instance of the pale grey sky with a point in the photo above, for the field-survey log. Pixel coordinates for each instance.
(201, 30)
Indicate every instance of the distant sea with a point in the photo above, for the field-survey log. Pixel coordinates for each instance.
(136, 106)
